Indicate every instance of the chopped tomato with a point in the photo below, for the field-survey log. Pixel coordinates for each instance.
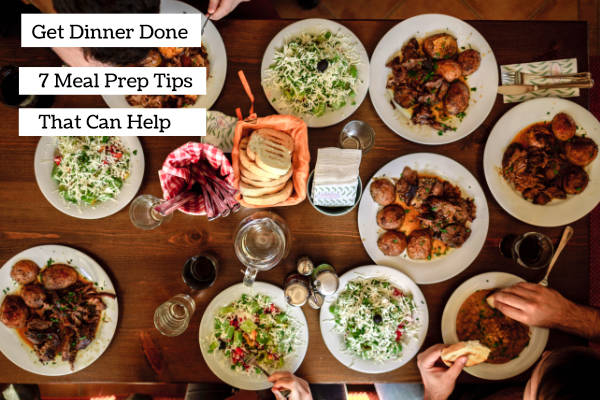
(239, 351)
(57, 160)
(397, 292)
(399, 332)
(234, 322)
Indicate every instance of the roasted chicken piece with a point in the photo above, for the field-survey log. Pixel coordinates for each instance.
(58, 276)
(469, 61)
(457, 98)
(392, 243)
(390, 217)
(581, 151)
(440, 46)
(383, 191)
(563, 126)
(13, 312)
(450, 70)
(24, 271)
(419, 245)
(575, 180)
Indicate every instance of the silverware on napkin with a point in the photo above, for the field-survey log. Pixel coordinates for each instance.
(511, 90)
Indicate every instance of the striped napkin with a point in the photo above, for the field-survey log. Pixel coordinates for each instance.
(552, 67)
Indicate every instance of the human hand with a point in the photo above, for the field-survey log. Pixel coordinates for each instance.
(220, 8)
(533, 305)
(438, 381)
(284, 380)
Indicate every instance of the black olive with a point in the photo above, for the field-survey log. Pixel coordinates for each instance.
(322, 65)
(222, 344)
(377, 318)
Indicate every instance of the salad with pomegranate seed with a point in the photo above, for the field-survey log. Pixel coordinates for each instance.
(253, 328)
(376, 318)
(90, 169)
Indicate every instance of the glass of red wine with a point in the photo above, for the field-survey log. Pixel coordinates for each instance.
(532, 250)
(200, 272)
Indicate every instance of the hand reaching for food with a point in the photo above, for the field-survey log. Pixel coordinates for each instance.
(297, 387)
(220, 8)
(537, 305)
(438, 381)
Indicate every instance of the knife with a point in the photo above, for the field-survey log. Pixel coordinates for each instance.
(511, 90)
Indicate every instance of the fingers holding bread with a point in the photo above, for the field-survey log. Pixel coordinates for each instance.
(475, 352)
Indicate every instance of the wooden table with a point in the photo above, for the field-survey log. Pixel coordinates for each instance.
(146, 266)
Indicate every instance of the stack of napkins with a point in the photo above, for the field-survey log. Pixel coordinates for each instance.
(335, 180)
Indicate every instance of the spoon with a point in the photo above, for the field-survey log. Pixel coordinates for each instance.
(567, 234)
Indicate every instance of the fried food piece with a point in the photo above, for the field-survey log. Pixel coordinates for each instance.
(13, 312)
(58, 276)
(24, 271)
(469, 61)
(33, 295)
(457, 98)
(563, 126)
(581, 150)
(450, 70)
(539, 136)
(153, 59)
(391, 217)
(170, 52)
(419, 245)
(392, 243)
(406, 187)
(382, 191)
(440, 46)
(454, 235)
(575, 180)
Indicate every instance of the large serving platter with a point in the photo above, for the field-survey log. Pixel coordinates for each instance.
(316, 26)
(17, 351)
(217, 58)
(335, 342)
(557, 212)
(219, 364)
(529, 355)
(443, 267)
(485, 79)
(44, 162)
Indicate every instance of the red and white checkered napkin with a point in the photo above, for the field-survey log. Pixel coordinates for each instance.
(176, 175)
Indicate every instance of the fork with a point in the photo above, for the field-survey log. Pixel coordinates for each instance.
(251, 361)
(518, 77)
(567, 233)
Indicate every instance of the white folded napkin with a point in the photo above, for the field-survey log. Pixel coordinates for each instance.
(335, 178)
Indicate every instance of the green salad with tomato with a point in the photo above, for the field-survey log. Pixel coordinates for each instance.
(90, 169)
(253, 328)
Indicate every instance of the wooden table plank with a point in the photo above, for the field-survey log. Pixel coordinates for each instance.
(146, 266)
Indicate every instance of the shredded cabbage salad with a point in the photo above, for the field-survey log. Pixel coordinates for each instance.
(376, 319)
(315, 73)
(252, 327)
(90, 169)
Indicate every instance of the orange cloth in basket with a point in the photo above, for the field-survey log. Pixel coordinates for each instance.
(297, 129)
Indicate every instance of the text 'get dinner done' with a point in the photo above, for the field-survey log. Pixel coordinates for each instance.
(76, 31)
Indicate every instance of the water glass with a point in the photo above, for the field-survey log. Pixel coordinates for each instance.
(143, 215)
(173, 316)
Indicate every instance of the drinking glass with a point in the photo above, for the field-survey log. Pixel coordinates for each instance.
(143, 215)
(261, 242)
(173, 316)
(531, 250)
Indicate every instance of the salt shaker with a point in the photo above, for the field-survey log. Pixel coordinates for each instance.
(325, 280)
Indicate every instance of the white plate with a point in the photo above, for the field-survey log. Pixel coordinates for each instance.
(557, 212)
(440, 268)
(335, 342)
(17, 351)
(219, 364)
(485, 79)
(529, 355)
(317, 25)
(217, 57)
(44, 162)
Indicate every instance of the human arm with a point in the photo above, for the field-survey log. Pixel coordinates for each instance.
(220, 8)
(537, 305)
(438, 381)
(283, 380)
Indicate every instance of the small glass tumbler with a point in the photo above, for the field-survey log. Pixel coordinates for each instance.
(357, 135)
(143, 215)
(173, 316)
